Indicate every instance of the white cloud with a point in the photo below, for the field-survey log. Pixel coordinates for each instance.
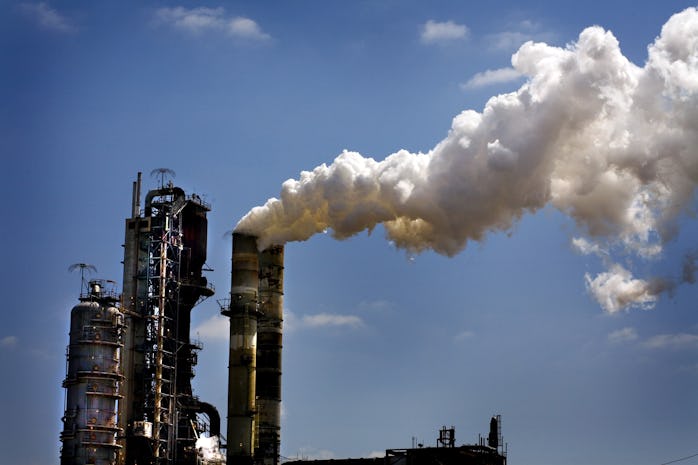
(510, 40)
(622, 335)
(330, 319)
(193, 20)
(216, 328)
(672, 341)
(203, 19)
(376, 454)
(246, 28)
(47, 18)
(434, 31)
(9, 341)
(492, 76)
(463, 335)
(292, 322)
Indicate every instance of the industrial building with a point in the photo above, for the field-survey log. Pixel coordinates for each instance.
(130, 358)
(129, 397)
(444, 452)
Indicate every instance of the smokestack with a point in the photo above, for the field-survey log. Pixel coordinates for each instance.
(270, 331)
(243, 349)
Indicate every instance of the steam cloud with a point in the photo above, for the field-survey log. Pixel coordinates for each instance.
(611, 144)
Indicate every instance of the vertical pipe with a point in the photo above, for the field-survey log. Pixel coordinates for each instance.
(136, 197)
(270, 332)
(243, 350)
(137, 211)
(133, 200)
(157, 409)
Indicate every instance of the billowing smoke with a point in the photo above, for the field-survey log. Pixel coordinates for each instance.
(611, 144)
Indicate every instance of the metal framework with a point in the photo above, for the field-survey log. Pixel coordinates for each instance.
(164, 256)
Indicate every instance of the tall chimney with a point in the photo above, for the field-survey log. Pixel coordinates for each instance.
(243, 350)
(270, 327)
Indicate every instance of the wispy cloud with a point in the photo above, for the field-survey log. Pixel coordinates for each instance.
(507, 40)
(44, 354)
(216, 328)
(623, 335)
(672, 341)
(375, 305)
(293, 322)
(490, 77)
(246, 28)
(192, 20)
(203, 19)
(8, 342)
(676, 341)
(47, 18)
(463, 335)
(435, 31)
(517, 34)
(330, 319)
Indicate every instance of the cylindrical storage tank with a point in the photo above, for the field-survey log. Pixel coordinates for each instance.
(269, 345)
(243, 349)
(92, 382)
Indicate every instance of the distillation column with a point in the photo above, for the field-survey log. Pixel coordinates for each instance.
(92, 381)
(269, 344)
(243, 350)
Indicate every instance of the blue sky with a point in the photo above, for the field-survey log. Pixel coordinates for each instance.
(381, 344)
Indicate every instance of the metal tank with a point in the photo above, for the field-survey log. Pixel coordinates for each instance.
(269, 346)
(93, 379)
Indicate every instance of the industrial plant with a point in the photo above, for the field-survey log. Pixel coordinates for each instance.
(130, 357)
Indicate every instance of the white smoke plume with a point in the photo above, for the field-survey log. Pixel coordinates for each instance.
(611, 144)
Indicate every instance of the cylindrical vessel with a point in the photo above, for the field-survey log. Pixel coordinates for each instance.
(243, 349)
(269, 344)
(92, 381)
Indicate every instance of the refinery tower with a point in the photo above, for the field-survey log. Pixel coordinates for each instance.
(130, 359)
